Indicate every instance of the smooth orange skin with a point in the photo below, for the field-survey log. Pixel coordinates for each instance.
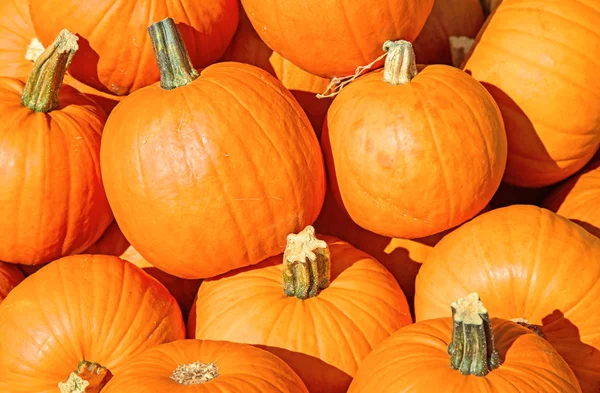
(578, 198)
(85, 307)
(331, 38)
(242, 368)
(416, 159)
(524, 262)
(115, 52)
(52, 201)
(10, 277)
(541, 71)
(112, 242)
(448, 18)
(324, 338)
(415, 360)
(247, 47)
(214, 175)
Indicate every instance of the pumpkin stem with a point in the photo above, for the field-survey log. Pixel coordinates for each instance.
(88, 378)
(400, 63)
(525, 323)
(472, 350)
(34, 50)
(42, 89)
(195, 373)
(173, 60)
(306, 265)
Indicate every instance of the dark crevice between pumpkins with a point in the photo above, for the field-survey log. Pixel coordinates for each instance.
(195, 373)
(88, 378)
(306, 265)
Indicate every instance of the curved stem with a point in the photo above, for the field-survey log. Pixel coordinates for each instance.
(472, 350)
(306, 265)
(88, 378)
(173, 60)
(400, 64)
(42, 89)
(195, 373)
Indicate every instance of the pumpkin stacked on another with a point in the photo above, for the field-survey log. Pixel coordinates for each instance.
(10, 277)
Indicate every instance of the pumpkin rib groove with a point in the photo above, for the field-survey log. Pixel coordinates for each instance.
(357, 42)
(543, 228)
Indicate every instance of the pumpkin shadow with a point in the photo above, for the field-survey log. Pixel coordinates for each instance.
(85, 65)
(508, 195)
(584, 359)
(315, 108)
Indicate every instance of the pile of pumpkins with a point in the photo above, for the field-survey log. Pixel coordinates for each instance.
(299, 196)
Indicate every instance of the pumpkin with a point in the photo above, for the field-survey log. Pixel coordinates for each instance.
(116, 55)
(247, 47)
(209, 366)
(189, 186)
(10, 277)
(80, 320)
(448, 18)
(337, 303)
(52, 202)
(528, 263)
(469, 352)
(578, 198)
(112, 242)
(184, 291)
(431, 166)
(541, 72)
(332, 38)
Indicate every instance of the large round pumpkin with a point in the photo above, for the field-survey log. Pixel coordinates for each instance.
(116, 53)
(52, 201)
(332, 38)
(81, 317)
(322, 310)
(414, 153)
(468, 353)
(208, 175)
(539, 62)
(10, 277)
(208, 367)
(529, 263)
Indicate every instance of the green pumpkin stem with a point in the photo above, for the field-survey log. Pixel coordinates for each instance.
(173, 60)
(306, 265)
(472, 350)
(88, 378)
(42, 89)
(400, 63)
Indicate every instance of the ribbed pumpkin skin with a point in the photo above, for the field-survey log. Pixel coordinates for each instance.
(125, 62)
(10, 277)
(415, 360)
(212, 176)
(84, 307)
(539, 61)
(416, 159)
(242, 368)
(332, 38)
(323, 339)
(52, 201)
(578, 198)
(525, 262)
(16, 33)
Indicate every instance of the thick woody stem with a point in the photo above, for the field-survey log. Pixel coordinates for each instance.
(88, 378)
(400, 64)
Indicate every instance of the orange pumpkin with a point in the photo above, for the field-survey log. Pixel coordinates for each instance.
(431, 166)
(59, 208)
(112, 242)
(538, 60)
(337, 303)
(469, 352)
(578, 198)
(116, 55)
(189, 186)
(333, 38)
(527, 263)
(208, 367)
(82, 317)
(10, 277)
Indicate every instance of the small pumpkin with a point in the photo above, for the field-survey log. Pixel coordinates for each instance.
(112, 242)
(116, 55)
(469, 352)
(331, 39)
(10, 277)
(208, 182)
(209, 366)
(527, 263)
(59, 208)
(80, 320)
(432, 165)
(538, 60)
(337, 303)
